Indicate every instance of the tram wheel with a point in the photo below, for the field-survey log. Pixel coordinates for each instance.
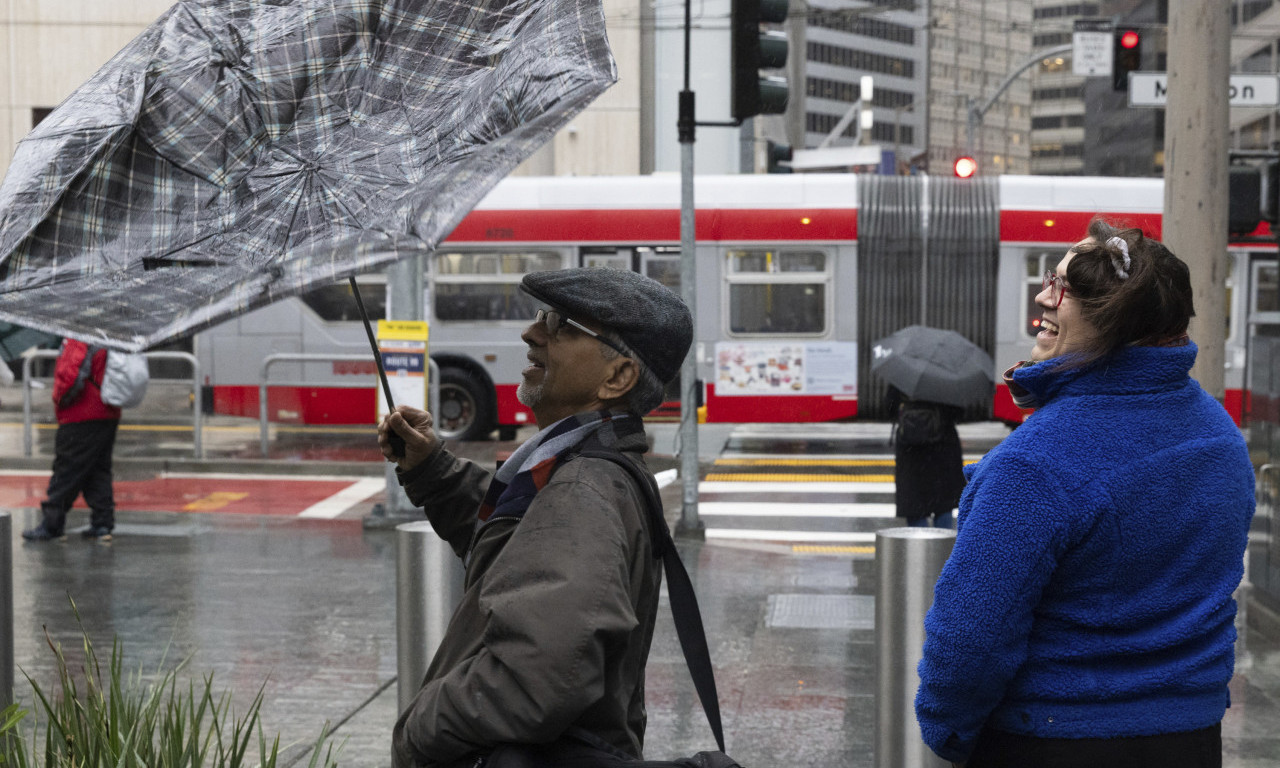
(464, 408)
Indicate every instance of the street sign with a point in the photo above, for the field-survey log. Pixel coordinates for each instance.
(1151, 89)
(1091, 50)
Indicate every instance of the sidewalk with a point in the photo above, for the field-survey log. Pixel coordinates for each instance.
(308, 607)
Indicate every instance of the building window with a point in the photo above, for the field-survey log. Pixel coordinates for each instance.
(485, 285)
(1048, 39)
(853, 58)
(836, 90)
(1067, 10)
(842, 21)
(775, 292)
(1071, 92)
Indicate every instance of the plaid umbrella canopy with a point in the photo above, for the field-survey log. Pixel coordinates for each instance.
(240, 151)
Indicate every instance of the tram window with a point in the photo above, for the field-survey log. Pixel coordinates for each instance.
(1037, 264)
(777, 292)
(485, 285)
(1267, 292)
(664, 270)
(777, 308)
(336, 303)
(773, 262)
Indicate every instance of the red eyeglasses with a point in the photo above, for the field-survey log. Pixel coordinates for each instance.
(1057, 287)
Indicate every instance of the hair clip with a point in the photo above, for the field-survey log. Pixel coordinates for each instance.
(1122, 267)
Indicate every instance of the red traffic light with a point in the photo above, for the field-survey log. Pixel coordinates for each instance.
(965, 167)
(1129, 39)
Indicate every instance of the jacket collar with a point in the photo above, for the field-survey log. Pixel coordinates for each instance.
(1127, 371)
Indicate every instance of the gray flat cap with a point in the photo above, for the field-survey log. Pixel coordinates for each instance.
(651, 320)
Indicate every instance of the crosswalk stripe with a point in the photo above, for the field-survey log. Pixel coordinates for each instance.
(343, 500)
(766, 535)
(772, 509)
(779, 477)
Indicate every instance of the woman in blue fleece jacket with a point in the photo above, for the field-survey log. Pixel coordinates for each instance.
(1085, 616)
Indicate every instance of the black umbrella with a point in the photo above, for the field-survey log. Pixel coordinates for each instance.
(935, 365)
(240, 151)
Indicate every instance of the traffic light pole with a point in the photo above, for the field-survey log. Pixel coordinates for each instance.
(689, 524)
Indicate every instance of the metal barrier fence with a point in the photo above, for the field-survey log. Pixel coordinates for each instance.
(433, 384)
(908, 564)
(197, 423)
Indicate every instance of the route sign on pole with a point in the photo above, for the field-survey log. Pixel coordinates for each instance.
(1151, 89)
(1091, 49)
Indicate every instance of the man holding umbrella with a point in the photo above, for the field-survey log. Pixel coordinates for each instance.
(562, 583)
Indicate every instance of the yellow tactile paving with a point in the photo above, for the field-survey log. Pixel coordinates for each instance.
(831, 549)
(804, 462)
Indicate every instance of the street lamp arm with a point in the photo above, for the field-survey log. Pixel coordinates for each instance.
(977, 113)
(1023, 67)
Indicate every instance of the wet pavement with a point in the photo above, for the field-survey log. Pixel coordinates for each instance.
(257, 595)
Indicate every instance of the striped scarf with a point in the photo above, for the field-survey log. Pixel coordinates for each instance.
(530, 468)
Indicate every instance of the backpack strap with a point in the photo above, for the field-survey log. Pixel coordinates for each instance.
(684, 602)
(83, 375)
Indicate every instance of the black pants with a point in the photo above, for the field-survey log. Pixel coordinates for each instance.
(82, 465)
(1192, 749)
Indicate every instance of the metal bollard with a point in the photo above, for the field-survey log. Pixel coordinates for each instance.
(429, 579)
(6, 609)
(908, 563)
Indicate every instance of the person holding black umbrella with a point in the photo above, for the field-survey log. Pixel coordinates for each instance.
(928, 465)
(932, 374)
(1085, 615)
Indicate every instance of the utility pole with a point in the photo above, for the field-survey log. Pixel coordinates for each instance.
(689, 525)
(1195, 170)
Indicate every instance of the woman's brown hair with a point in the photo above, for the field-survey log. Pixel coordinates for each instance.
(1146, 302)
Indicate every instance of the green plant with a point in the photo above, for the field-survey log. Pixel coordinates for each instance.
(124, 721)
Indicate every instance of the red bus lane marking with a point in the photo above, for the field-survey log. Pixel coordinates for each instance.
(279, 496)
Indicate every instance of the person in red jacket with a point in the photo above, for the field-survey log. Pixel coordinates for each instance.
(82, 448)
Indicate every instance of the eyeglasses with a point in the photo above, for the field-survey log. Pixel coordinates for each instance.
(1057, 287)
(554, 321)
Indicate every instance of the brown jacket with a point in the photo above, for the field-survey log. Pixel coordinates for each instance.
(557, 617)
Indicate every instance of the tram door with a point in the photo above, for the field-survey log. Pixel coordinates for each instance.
(1262, 419)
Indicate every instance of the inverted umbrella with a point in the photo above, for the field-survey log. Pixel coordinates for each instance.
(240, 151)
(935, 365)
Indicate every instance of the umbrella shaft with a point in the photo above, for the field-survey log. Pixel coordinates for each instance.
(373, 343)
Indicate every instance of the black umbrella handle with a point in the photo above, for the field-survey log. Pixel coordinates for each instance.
(397, 442)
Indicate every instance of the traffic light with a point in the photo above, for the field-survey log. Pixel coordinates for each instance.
(1244, 199)
(1126, 56)
(965, 167)
(1271, 191)
(751, 50)
(776, 154)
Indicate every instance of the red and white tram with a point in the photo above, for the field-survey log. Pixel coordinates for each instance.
(796, 276)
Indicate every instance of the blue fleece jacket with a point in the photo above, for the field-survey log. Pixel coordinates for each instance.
(1089, 592)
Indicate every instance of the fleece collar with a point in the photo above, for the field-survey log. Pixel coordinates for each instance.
(1127, 371)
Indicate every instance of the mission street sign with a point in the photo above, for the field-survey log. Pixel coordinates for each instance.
(1151, 89)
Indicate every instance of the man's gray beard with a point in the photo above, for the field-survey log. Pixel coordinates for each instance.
(529, 394)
